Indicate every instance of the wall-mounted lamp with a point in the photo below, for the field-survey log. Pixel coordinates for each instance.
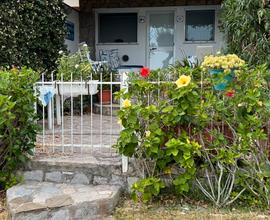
(179, 18)
(141, 19)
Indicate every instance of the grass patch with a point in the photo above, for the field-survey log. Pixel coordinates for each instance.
(173, 208)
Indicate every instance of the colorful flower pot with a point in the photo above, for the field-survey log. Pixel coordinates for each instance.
(105, 97)
(221, 86)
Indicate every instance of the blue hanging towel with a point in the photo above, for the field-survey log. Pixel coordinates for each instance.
(46, 93)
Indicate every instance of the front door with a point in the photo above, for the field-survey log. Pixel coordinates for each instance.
(160, 39)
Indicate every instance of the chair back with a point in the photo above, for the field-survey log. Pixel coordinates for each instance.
(111, 56)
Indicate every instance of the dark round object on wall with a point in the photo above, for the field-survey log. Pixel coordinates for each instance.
(125, 58)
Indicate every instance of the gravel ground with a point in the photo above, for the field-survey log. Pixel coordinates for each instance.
(3, 212)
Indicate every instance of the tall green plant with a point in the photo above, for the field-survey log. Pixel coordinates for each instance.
(17, 121)
(31, 33)
(246, 24)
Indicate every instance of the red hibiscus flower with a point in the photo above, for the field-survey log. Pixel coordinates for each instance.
(230, 93)
(145, 72)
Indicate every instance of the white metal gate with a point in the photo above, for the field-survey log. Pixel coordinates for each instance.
(72, 121)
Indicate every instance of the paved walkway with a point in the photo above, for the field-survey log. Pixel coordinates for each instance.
(83, 135)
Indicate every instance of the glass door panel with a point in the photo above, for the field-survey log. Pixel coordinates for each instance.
(161, 39)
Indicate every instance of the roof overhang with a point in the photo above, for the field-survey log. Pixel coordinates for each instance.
(86, 4)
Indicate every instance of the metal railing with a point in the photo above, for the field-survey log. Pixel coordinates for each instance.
(74, 118)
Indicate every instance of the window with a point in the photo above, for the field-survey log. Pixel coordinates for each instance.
(118, 28)
(70, 30)
(200, 25)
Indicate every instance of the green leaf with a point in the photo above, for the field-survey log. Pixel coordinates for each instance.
(187, 155)
(172, 151)
(167, 109)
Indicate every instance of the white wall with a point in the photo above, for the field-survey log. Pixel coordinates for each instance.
(72, 3)
(73, 16)
(188, 47)
(138, 52)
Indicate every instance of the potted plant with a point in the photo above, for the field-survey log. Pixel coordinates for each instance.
(222, 68)
(106, 74)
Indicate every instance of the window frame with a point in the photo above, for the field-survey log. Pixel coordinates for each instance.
(98, 42)
(214, 26)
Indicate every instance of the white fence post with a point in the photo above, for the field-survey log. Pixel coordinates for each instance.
(49, 108)
(124, 85)
(58, 108)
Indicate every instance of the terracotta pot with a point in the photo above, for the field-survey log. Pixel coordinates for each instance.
(105, 96)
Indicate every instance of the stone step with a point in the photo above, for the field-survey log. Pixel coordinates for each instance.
(52, 201)
(76, 169)
(106, 109)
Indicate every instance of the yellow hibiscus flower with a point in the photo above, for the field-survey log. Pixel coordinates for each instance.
(147, 133)
(183, 81)
(126, 103)
(260, 103)
(119, 122)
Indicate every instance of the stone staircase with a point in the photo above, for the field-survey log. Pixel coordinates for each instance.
(77, 187)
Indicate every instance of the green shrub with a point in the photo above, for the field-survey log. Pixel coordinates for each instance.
(145, 189)
(31, 33)
(78, 67)
(17, 121)
(255, 177)
(179, 128)
(75, 65)
(246, 24)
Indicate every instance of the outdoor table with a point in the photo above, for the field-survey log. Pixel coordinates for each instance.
(62, 91)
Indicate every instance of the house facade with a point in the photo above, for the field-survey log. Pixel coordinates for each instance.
(152, 33)
(72, 39)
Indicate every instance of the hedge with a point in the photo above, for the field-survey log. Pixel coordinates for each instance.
(32, 33)
(246, 24)
(18, 125)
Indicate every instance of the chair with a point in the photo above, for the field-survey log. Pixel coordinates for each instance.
(96, 65)
(192, 61)
(110, 56)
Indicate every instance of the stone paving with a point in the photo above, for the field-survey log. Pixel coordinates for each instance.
(45, 200)
(87, 132)
(70, 187)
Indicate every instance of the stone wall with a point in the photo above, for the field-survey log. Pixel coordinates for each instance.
(87, 15)
(81, 170)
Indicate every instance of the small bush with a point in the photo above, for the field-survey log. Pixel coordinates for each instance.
(17, 121)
